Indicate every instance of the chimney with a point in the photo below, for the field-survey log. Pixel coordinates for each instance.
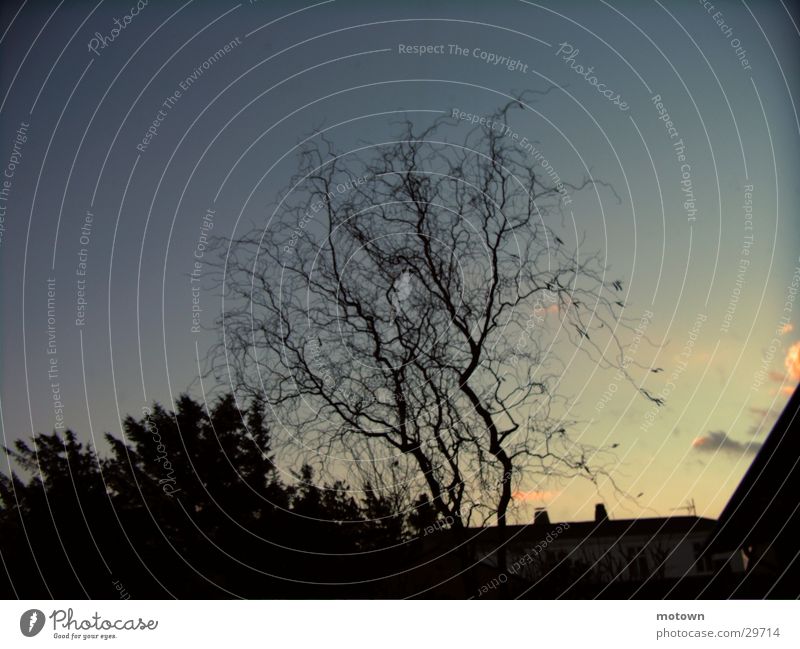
(540, 516)
(600, 513)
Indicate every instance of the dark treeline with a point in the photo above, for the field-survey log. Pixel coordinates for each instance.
(189, 505)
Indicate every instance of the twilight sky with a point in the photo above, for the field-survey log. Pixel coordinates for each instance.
(119, 137)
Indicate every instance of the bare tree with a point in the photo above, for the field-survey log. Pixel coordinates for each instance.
(404, 312)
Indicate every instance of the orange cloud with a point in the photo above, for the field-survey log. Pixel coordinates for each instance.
(787, 328)
(792, 361)
(533, 496)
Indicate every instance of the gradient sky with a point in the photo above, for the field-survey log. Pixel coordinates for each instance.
(301, 66)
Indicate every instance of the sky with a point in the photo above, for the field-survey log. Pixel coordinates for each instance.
(116, 138)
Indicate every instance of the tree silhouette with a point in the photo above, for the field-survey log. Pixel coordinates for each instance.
(188, 503)
(392, 314)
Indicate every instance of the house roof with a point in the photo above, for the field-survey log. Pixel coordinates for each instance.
(766, 502)
(643, 528)
(616, 528)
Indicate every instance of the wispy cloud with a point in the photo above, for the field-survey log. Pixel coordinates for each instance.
(718, 441)
(533, 496)
(765, 419)
(768, 415)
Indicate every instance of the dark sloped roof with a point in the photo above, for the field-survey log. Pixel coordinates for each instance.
(766, 502)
